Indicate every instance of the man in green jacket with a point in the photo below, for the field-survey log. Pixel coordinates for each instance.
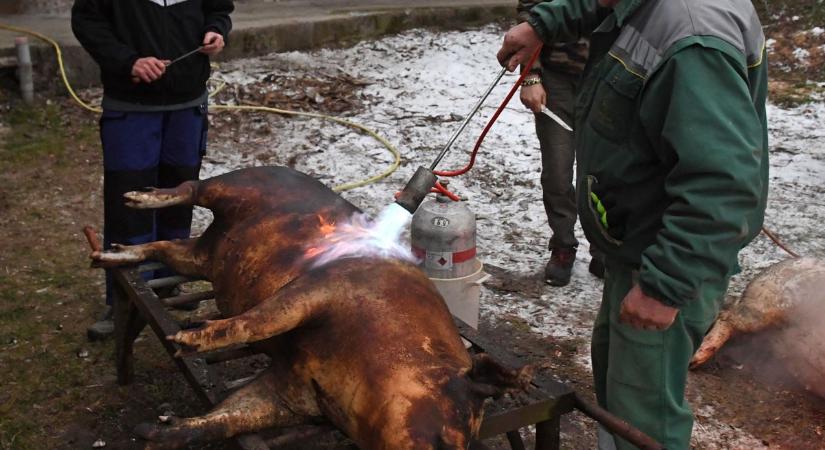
(672, 178)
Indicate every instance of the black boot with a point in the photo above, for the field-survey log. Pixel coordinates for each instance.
(557, 272)
(596, 267)
(103, 328)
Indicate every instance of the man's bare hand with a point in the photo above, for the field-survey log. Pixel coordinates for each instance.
(212, 43)
(533, 97)
(148, 69)
(519, 44)
(646, 313)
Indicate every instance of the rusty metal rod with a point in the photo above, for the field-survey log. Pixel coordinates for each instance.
(301, 434)
(147, 267)
(616, 425)
(229, 355)
(167, 281)
(185, 299)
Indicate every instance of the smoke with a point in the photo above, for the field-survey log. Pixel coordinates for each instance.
(801, 344)
(792, 353)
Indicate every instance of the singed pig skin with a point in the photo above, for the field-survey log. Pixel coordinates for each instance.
(366, 343)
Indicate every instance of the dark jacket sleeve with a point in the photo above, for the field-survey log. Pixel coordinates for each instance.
(92, 27)
(700, 105)
(217, 16)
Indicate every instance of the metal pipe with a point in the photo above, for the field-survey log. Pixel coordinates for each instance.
(416, 189)
(24, 69)
(467, 119)
(616, 425)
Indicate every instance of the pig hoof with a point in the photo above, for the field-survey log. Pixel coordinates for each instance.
(152, 198)
(119, 254)
(187, 347)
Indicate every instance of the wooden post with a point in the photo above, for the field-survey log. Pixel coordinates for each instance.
(547, 434)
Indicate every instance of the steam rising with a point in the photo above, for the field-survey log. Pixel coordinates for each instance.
(362, 237)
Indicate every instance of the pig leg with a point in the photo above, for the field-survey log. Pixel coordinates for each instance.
(153, 198)
(291, 307)
(265, 402)
(181, 256)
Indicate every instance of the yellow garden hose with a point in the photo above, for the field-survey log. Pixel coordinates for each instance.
(357, 126)
(53, 43)
(340, 188)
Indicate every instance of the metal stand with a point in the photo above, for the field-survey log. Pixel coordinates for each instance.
(136, 304)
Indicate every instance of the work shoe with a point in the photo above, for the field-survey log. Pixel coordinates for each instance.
(596, 267)
(557, 272)
(104, 328)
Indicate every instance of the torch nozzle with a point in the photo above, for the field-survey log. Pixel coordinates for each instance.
(416, 189)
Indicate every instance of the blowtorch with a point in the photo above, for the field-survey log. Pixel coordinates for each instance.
(424, 179)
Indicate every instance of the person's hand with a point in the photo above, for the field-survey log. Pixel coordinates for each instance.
(519, 44)
(533, 97)
(212, 43)
(644, 312)
(148, 69)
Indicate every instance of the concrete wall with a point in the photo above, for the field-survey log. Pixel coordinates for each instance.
(298, 34)
(11, 6)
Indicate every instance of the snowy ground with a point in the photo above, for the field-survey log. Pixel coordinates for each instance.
(419, 81)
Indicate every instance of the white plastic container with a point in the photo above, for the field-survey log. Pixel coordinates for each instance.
(462, 294)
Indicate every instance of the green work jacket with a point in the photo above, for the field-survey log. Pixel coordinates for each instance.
(671, 136)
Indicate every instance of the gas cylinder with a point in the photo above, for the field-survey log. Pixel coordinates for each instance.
(443, 237)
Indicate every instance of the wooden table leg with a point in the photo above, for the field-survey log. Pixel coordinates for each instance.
(128, 325)
(547, 434)
(516, 443)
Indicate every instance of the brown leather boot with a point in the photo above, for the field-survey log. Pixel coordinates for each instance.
(557, 272)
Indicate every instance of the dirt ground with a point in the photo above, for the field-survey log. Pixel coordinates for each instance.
(59, 391)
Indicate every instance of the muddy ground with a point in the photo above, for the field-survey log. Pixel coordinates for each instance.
(59, 391)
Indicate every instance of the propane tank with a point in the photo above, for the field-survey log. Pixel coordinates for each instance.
(443, 237)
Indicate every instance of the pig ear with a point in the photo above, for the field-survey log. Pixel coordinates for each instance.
(491, 379)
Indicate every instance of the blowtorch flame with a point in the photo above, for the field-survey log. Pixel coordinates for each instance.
(362, 237)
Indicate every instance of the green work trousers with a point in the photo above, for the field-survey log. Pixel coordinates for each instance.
(640, 375)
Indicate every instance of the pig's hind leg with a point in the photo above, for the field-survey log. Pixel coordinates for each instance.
(265, 402)
(293, 306)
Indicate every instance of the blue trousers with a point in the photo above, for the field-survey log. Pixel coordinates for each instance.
(148, 149)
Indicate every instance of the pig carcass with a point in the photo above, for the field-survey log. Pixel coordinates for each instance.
(363, 342)
(789, 295)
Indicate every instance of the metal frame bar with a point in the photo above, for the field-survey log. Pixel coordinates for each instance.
(137, 305)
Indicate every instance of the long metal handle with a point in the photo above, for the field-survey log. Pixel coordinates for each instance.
(467, 119)
(616, 425)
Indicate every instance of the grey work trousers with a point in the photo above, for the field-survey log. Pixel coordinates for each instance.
(557, 156)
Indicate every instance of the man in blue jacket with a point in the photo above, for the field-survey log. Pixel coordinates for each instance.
(153, 127)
